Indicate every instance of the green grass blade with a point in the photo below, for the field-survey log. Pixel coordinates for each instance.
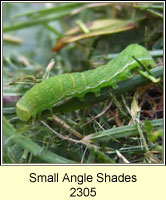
(123, 131)
(29, 145)
(52, 10)
(22, 25)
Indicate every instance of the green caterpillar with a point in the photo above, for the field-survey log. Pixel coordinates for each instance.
(44, 95)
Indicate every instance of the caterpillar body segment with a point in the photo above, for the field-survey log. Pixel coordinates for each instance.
(44, 95)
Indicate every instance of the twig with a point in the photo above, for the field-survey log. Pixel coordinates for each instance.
(84, 142)
(66, 127)
(82, 159)
(122, 157)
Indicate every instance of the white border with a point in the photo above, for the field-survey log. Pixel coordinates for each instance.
(83, 164)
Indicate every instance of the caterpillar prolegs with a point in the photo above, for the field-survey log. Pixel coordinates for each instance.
(44, 95)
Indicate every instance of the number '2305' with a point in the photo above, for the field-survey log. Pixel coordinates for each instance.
(86, 192)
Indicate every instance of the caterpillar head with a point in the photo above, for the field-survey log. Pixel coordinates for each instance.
(23, 112)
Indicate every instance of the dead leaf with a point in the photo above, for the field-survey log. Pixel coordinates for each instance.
(96, 28)
(135, 109)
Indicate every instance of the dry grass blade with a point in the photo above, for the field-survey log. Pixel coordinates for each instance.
(84, 142)
(96, 28)
(66, 127)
